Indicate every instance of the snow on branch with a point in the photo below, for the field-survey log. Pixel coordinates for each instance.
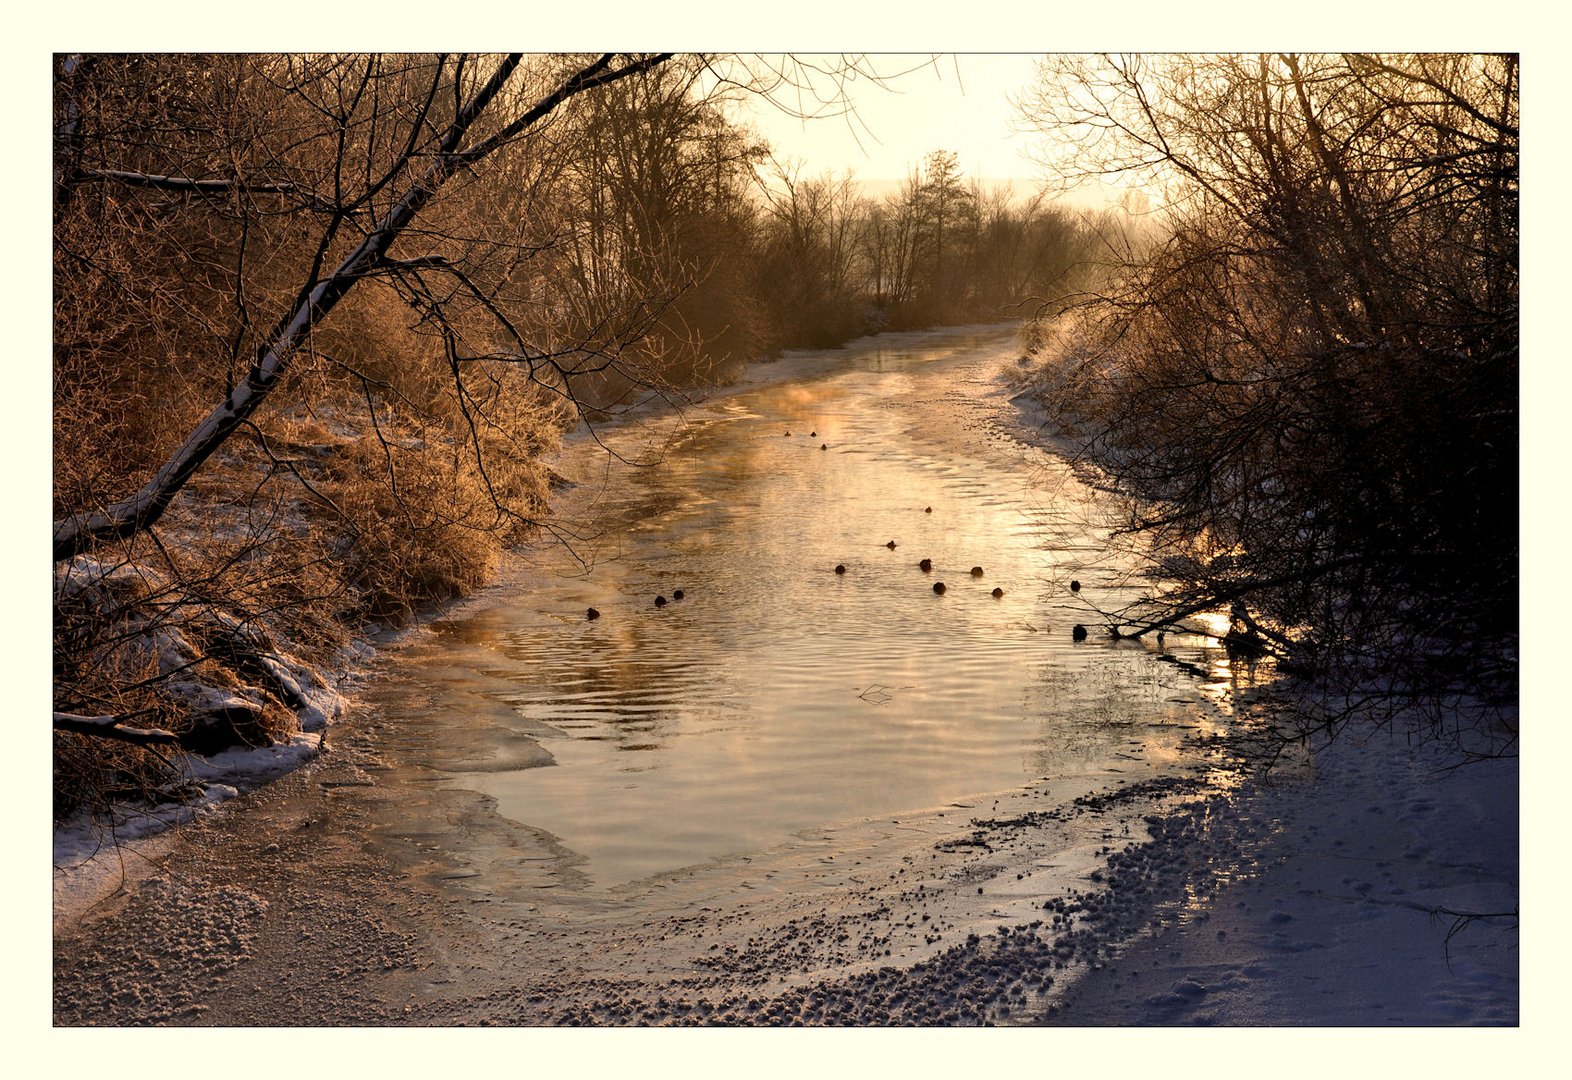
(183, 183)
(113, 727)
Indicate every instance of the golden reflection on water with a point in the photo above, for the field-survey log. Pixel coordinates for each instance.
(740, 715)
(1214, 623)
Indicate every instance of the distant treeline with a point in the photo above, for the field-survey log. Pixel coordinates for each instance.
(942, 250)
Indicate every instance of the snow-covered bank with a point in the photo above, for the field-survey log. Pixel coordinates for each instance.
(94, 855)
(1372, 860)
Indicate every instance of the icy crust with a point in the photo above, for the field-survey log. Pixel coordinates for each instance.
(1327, 891)
(223, 683)
(210, 931)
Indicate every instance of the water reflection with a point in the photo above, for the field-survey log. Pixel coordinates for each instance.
(740, 715)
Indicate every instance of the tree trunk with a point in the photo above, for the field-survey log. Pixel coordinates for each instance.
(81, 532)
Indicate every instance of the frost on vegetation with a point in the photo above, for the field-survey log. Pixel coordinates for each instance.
(245, 707)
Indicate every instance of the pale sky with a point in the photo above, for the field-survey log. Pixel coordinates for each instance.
(956, 102)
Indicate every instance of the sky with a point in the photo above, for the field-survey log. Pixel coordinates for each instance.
(958, 103)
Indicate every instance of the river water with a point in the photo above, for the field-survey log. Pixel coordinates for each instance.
(797, 797)
(535, 748)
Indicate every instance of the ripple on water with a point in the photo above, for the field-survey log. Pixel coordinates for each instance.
(778, 696)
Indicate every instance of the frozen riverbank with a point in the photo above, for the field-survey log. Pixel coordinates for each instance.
(1372, 859)
(993, 838)
(1210, 896)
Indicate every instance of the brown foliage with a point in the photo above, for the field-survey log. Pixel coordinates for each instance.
(1309, 385)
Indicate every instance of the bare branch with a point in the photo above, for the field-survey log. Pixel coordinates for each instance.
(114, 727)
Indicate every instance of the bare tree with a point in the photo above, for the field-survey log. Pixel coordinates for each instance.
(1309, 387)
(807, 272)
(491, 110)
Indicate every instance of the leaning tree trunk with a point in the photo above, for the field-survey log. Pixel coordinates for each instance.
(81, 532)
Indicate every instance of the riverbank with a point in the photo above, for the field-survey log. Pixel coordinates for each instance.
(392, 878)
(1384, 892)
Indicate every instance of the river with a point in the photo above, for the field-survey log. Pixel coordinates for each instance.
(791, 796)
(778, 695)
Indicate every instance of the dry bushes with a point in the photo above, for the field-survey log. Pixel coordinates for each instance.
(156, 652)
(421, 471)
(1309, 387)
(425, 515)
(212, 625)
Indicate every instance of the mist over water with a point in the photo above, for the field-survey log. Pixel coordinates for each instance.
(777, 696)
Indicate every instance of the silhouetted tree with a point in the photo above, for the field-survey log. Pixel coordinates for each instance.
(807, 275)
(1310, 386)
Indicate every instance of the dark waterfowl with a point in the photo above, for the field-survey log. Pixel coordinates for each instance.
(593, 614)
(891, 545)
(824, 446)
(840, 568)
(977, 571)
(938, 587)
(660, 601)
(677, 594)
(927, 510)
(1075, 586)
(925, 565)
(1079, 632)
(997, 592)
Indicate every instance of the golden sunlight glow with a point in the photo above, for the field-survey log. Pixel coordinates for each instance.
(1212, 623)
(955, 103)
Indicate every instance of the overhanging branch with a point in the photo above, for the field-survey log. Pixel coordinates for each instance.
(183, 183)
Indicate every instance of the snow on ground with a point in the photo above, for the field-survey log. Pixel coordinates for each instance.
(91, 856)
(91, 852)
(1372, 856)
